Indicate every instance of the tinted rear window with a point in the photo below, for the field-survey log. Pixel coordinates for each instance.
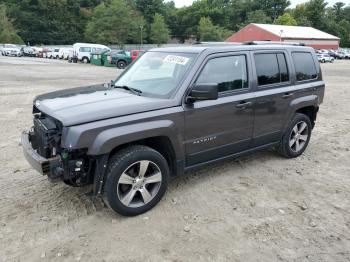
(304, 64)
(271, 68)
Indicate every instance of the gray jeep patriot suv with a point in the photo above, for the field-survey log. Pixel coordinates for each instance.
(173, 110)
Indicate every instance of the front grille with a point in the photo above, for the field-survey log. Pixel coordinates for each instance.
(45, 136)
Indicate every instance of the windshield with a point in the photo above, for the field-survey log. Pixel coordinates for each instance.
(157, 74)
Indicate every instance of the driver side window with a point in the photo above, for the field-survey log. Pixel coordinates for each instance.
(229, 72)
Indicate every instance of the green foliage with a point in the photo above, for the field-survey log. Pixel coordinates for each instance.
(209, 32)
(344, 33)
(315, 13)
(259, 17)
(7, 32)
(286, 19)
(159, 30)
(272, 8)
(114, 22)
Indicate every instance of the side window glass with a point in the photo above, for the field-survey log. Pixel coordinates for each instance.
(230, 73)
(267, 69)
(271, 68)
(304, 64)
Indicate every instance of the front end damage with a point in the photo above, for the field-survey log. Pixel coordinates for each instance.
(42, 149)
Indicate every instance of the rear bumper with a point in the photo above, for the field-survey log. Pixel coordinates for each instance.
(45, 166)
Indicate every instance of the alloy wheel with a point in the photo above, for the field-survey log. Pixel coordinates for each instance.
(139, 184)
(298, 136)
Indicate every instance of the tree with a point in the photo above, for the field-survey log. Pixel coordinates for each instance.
(315, 12)
(258, 16)
(272, 8)
(344, 33)
(299, 14)
(286, 19)
(207, 31)
(159, 30)
(337, 7)
(114, 22)
(7, 31)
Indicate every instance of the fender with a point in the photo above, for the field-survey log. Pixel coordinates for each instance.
(108, 139)
(300, 102)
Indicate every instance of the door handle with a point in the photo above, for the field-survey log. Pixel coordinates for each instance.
(287, 95)
(243, 104)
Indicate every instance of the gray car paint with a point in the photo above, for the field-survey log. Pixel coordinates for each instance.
(117, 117)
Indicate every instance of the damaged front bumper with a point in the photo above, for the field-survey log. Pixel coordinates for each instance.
(50, 167)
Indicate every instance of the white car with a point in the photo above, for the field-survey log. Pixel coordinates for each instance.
(54, 54)
(11, 50)
(64, 53)
(323, 58)
(84, 50)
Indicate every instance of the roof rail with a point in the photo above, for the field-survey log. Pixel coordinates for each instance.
(216, 43)
(272, 43)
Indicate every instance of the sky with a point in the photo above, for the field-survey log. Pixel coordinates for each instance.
(180, 3)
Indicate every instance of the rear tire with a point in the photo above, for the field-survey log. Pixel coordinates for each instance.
(137, 179)
(85, 60)
(121, 64)
(296, 137)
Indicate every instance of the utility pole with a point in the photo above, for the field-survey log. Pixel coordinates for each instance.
(281, 32)
(141, 28)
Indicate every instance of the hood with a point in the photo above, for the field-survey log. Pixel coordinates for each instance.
(86, 104)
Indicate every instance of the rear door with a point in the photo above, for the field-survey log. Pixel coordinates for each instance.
(273, 94)
(217, 128)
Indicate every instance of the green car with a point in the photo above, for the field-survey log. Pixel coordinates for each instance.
(120, 58)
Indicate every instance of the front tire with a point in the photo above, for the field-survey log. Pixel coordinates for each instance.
(297, 136)
(137, 179)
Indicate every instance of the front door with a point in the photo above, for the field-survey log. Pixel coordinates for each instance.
(217, 128)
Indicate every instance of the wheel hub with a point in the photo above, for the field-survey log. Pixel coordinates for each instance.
(138, 183)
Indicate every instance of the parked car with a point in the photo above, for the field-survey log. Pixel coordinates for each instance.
(346, 54)
(37, 50)
(173, 110)
(323, 58)
(28, 51)
(63, 53)
(11, 50)
(55, 53)
(135, 54)
(84, 50)
(47, 53)
(119, 58)
(338, 55)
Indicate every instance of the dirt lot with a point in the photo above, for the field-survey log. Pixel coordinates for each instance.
(257, 208)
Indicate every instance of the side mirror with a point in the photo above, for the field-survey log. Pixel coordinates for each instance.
(203, 92)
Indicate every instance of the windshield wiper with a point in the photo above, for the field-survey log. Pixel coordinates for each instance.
(135, 91)
(132, 90)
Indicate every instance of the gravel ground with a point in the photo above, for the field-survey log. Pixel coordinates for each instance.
(256, 208)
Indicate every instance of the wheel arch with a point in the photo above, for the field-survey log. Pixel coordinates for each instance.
(310, 111)
(88, 59)
(161, 144)
(307, 105)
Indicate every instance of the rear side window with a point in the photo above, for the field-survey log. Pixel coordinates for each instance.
(304, 64)
(271, 68)
(230, 73)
